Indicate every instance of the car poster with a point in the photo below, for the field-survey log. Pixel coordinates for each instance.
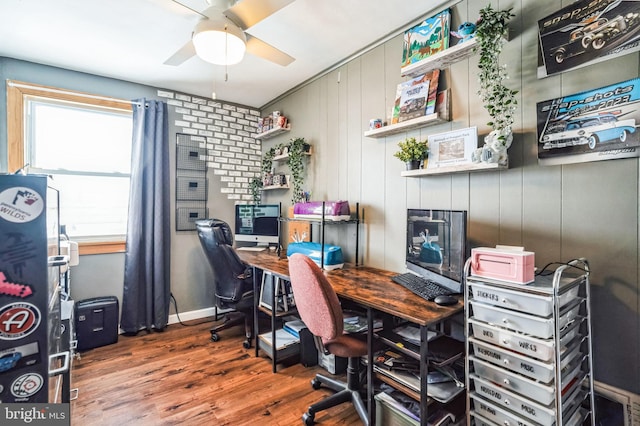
(599, 124)
(586, 32)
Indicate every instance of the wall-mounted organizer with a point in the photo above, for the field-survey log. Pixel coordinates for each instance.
(191, 181)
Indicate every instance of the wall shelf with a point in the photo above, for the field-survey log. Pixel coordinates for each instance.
(273, 132)
(463, 168)
(441, 59)
(404, 126)
(271, 187)
(284, 157)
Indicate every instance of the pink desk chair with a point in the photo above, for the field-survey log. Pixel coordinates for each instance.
(320, 310)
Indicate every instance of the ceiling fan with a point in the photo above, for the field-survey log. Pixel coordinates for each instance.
(220, 37)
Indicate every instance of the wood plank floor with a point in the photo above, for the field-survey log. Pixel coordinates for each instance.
(181, 377)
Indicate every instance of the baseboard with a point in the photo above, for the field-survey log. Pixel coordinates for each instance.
(194, 315)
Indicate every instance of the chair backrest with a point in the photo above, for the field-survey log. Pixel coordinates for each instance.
(216, 239)
(316, 301)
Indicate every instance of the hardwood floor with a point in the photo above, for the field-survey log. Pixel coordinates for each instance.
(181, 377)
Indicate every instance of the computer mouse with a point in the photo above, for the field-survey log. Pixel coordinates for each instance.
(445, 300)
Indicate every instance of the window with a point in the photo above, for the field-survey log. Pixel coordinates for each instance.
(84, 143)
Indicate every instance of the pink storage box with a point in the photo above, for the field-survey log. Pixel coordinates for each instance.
(513, 266)
(333, 210)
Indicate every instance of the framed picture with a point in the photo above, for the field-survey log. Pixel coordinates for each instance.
(425, 39)
(416, 97)
(452, 148)
(595, 125)
(586, 32)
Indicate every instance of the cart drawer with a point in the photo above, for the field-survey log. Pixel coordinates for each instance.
(529, 324)
(519, 300)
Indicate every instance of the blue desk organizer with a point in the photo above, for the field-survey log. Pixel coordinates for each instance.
(332, 258)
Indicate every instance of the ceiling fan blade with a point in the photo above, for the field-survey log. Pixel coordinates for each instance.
(247, 13)
(185, 52)
(257, 47)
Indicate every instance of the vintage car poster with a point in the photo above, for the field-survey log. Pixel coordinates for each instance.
(425, 39)
(586, 32)
(416, 97)
(599, 124)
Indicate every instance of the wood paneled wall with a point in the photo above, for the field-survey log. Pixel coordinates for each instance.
(559, 212)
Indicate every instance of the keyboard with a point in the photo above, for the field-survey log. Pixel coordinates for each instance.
(252, 248)
(424, 288)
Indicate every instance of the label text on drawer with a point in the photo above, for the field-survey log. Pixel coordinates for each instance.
(490, 354)
(528, 346)
(527, 367)
(491, 392)
(487, 295)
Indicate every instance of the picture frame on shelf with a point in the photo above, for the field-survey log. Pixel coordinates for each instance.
(416, 97)
(453, 148)
(427, 38)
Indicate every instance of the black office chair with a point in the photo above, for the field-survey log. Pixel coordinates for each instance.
(233, 281)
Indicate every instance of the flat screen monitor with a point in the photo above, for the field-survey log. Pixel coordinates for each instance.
(258, 223)
(437, 245)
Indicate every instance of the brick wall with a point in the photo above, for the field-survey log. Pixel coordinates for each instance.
(234, 154)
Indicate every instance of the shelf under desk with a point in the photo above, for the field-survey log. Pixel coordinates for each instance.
(372, 289)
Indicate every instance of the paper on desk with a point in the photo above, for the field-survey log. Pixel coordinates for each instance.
(412, 333)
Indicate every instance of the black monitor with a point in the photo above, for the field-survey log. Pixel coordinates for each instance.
(437, 245)
(258, 223)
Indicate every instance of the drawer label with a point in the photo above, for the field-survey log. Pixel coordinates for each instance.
(488, 353)
(481, 294)
(487, 333)
(527, 409)
(528, 346)
(492, 393)
(527, 367)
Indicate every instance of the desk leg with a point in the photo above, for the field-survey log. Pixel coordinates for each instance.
(275, 282)
(256, 297)
(424, 365)
(370, 400)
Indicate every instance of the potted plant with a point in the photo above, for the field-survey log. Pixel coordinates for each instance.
(412, 152)
(298, 147)
(499, 101)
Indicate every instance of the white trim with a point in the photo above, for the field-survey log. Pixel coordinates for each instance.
(194, 315)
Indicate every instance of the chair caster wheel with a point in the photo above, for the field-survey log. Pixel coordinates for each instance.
(246, 344)
(215, 337)
(308, 419)
(315, 383)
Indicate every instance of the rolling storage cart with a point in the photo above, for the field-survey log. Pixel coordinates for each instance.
(528, 351)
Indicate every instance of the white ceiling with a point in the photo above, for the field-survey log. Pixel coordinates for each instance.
(130, 40)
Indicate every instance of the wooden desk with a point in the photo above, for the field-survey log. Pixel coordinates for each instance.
(373, 289)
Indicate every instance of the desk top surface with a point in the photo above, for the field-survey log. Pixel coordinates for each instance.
(370, 287)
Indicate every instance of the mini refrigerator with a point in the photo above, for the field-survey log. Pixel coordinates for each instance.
(34, 359)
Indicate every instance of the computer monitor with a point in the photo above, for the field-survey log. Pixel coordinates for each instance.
(437, 245)
(258, 223)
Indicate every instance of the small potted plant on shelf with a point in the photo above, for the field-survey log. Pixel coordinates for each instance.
(297, 148)
(499, 101)
(412, 152)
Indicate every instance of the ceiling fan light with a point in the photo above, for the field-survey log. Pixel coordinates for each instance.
(219, 42)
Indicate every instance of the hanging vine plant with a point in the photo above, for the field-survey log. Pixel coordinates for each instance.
(255, 186)
(297, 149)
(499, 101)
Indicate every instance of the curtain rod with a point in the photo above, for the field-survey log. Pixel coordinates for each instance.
(67, 92)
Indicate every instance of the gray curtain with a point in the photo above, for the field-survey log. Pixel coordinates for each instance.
(146, 295)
